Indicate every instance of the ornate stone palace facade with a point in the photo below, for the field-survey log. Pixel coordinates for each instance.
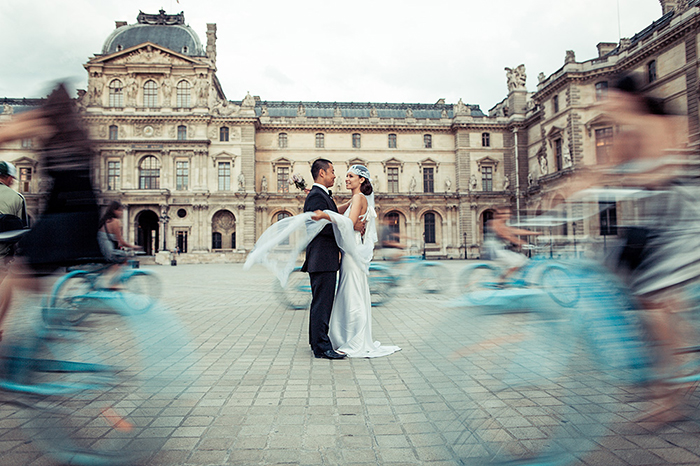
(208, 175)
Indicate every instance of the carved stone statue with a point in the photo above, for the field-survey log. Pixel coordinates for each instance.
(444, 114)
(448, 184)
(167, 89)
(337, 112)
(516, 77)
(530, 179)
(373, 112)
(241, 182)
(541, 77)
(409, 113)
(248, 101)
(570, 57)
(472, 182)
(566, 152)
(301, 111)
(506, 184)
(131, 91)
(264, 111)
(263, 184)
(412, 185)
(544, 164)
(7, 109)
(96, 85)
(202, 90)
(460, 108)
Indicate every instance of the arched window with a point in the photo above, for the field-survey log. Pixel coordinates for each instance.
(486, 217)
(282, 140)
(181, 133)
(150, 94)
(113, 132)
(223, 134)
(184, 91)
(149, 173)
(224, 224)
(116, 93)
(429, 228)
(392, 222)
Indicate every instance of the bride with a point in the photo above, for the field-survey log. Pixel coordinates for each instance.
(350, 328)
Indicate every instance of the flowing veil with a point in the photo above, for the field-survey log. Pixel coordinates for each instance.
(280, 246)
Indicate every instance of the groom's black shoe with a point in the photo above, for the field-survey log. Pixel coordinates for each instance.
(330, 354)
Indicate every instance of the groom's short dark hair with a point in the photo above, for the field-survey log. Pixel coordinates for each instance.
(318, 165)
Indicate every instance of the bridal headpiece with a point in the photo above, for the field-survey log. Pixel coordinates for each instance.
(360, 170)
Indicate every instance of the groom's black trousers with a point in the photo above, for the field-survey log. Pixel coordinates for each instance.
(323, 292)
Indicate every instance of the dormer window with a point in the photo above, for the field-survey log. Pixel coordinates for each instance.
(120, 47)
(185, 49)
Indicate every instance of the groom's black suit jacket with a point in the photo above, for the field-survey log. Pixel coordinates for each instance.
(323, 253)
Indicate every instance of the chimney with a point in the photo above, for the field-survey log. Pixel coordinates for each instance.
(605, 48)
(211, 42)
(120, 23)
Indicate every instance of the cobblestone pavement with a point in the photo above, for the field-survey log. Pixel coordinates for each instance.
(260, 397)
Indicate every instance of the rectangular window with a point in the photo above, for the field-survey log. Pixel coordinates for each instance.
(113, 132)
(429, 231)
(113, 174)
(608, 218)
(427, 141)
(181, 241)
(223, 134)
(356, 140)
(320, 141)
(485, 140)
(282, 179)
(603, 144)
(224, 176)
(392, 179)
(27, 143)
(392, 141)
(601, 90)
(651, 68)
(428, 181)
(181, 133)
(216, 240)
(487, 178)
(555, 103)
(558, 154)
(25, 179)
(182, 173)
(282, 140)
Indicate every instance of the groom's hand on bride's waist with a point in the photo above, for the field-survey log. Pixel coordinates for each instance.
(360, 226)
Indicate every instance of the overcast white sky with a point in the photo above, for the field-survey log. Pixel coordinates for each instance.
(321, 50)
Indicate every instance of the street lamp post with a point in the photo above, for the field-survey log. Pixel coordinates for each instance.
(465, 245)
(165, 218)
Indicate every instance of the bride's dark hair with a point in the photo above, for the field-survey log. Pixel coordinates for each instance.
(366, 187)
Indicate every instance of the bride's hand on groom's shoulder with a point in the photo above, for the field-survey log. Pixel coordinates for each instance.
(320, 215)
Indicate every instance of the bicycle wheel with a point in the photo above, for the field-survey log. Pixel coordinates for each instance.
(141, 290)
(527, 389)
(88, 404)
(477, 282)
(68, 303)
(560, 285)
(297, 293)
(430, 277)
(382, 284)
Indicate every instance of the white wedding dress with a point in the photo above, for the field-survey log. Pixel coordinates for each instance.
(350, 327)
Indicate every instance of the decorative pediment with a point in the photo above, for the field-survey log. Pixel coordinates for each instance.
(601, 120)
(488, 161)
(282, 161)
(25, 161)
(554, 132)
(356, 161)
(224, 155)
(147, 52)
(428, 163)
(392, 162)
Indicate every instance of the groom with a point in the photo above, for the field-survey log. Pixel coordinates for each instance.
(322, 262)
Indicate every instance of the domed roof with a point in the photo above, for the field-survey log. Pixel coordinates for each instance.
(168, 31)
